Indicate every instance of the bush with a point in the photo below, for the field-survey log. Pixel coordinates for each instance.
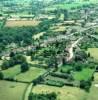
(38, 80)
(60, 75)
(1, 76)
(50, 96)
(17, 59)
(24, 67)
(55, 83)
(85, 85)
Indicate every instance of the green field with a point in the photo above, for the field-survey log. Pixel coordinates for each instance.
(65, 68)
(30, 75)
(12, 90)
(12, 72)
(72, 5)
(94, 53)
(93, 95)
(85, 74)
(64, 93)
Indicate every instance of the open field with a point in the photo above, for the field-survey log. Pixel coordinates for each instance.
(58, 28)
(19, 23)
(30, 75)
(71, 5)
(64, 93)
(93, 95)
(85, 74)
(12, 72)
(11, 90)
(94, 53)
(65, 68)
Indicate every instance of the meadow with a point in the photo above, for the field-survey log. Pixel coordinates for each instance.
(85, 74)
(11, 72)
(71, 5)
(12, 90)
(94, 53)
(30, 75)
(64, 93)
(93, 95)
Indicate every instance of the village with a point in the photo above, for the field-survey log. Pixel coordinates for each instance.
(50, 54)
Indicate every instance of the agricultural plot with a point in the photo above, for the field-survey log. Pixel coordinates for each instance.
(30, 75)
(69, 5)
(58, 28)
(85, 74)
(64, 93)
(94, 53)
(93, 95)
(12, 72)
(19, 23)
(12, 90)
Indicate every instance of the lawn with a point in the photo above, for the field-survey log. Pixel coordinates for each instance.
(11, 90)
(64, 93)
(12, 72)
(19, 23)
(30, 75)
(94, 53)
(85, 74)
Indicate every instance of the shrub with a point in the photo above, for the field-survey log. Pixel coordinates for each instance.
(1, 76)
(85, 85)
(61, 75)
(24, 67)
(50, 96)
(55, 83)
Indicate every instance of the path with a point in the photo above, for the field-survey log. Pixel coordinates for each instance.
(27, 91)
(70, 50)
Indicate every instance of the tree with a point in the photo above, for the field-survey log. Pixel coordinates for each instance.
(1, 76)
(85, 85)
(63, 60)
(19, 59)
(24, 67)
(5, 65)
(12, 54)
(78, 66)
(65, 11)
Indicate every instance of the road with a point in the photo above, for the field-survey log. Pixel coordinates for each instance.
(70, 50)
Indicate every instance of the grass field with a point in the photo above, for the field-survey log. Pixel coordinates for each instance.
(78, 3)
(11, 90)
(30, 75)
(19, 23)
(93, 95)
(12, 72)
(65, 68)
(64, 93)
(94, 53)
(85, 74)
